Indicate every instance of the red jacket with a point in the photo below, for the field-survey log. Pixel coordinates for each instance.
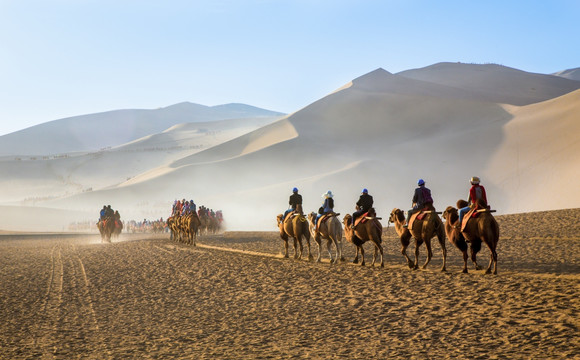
(476, 192)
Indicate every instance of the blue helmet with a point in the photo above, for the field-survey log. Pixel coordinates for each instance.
(421, 182)
(365, 191)
(295, 190)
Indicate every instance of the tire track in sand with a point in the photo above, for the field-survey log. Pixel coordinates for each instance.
(46, 328)
(87, 302)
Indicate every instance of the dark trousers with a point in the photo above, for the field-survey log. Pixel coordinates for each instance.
(357, 214)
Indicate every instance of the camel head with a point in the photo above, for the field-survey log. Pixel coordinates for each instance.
(396, 214)
(346, 220)
(450, 214)
(312, 217)
(278, 219)
(461, 203)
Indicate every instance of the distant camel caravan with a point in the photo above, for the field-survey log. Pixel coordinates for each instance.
(330, 229)
(295, 225)
(366, 228)
(423, 226)
(478, 226)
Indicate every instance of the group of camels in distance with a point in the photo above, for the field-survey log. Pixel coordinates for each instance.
(185, 228)
(479, 226)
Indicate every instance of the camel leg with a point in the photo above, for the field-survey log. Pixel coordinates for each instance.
(341, 257)
(429, 253)
(362, 254)
(300, 246)
(465, 261)
(492, 259)
(286, 249)
(409, 261)
(416, 264)
(296, 256)
(328, 245)
(378, 249)
(444, 249)
(319, 243)
(310, 257)
(474, 260)
(355, 261)
(332, 240)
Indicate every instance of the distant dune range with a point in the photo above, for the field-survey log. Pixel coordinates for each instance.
(444, 123)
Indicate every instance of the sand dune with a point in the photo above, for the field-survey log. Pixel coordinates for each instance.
(38, 178)
(495, 83)
(97, 131)
(572, 74)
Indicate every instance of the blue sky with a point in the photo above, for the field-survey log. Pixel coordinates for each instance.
(61, 58)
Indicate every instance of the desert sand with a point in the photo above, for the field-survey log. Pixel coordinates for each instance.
(234, 297)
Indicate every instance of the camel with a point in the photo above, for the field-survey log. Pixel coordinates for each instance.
(331, 230)
(294, 226)
(483, 228)
(370, 230)
(173, 222)
(453, 234)
(106, 228)
(423, 231)
(118, 228)
(191, 226)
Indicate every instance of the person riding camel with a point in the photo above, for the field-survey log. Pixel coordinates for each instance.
(364, 204)
(476, 192)
(421, 198)
(294, 201)
(178, 207)
(192, 207)
(185, 208)
(327, 207)
(103, 212)
(109, 212)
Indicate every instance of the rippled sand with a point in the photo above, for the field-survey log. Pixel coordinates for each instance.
(234, 297)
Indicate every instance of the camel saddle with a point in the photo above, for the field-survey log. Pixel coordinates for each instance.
(473, 213)
(292, 214)
(363, 218)
(420, 215)
(325, 217)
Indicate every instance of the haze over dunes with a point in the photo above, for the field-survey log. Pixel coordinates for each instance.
(95, 131)
(443, 123)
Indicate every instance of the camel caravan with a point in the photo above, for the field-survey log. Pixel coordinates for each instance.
(187, 222)
(467, 227)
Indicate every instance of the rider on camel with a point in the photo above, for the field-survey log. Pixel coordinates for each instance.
(364, 204)
(295, 200)
(327, 207)
(109, 212)
(421, 198)
(476, 192)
